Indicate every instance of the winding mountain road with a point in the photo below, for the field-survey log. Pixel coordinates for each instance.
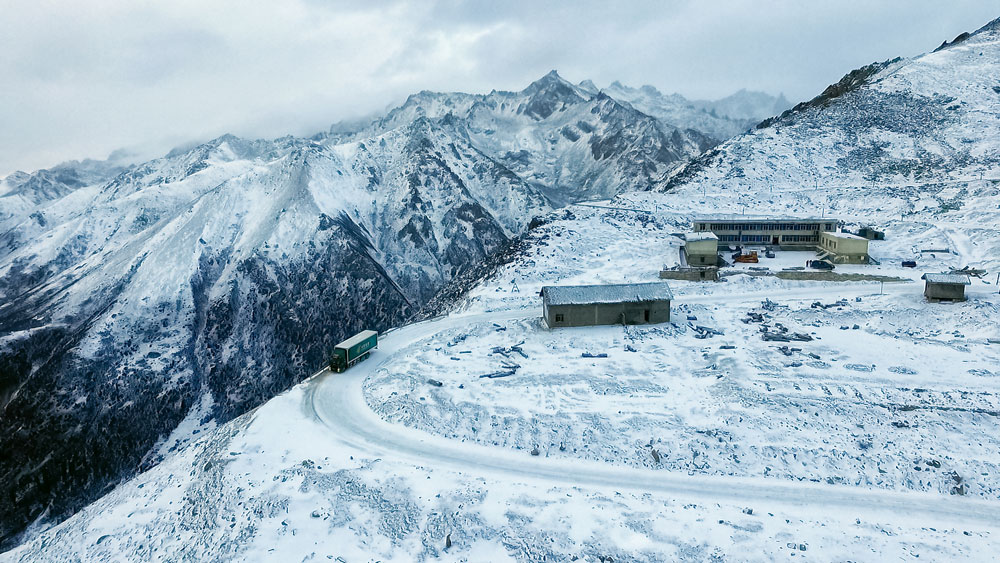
(337, 401)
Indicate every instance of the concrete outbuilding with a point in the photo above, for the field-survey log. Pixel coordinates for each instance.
(588, 305)
(701, 249)
(843, 248)
(950, 287)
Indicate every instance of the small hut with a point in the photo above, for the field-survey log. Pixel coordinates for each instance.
(583, 305)
(950, 287)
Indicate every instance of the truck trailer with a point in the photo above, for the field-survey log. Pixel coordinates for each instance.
(353, 350)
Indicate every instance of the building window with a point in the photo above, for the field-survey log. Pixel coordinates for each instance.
(559, 317)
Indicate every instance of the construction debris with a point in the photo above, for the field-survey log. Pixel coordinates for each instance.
(509, 368)
(508, 350)
(781, 334)
(769, 305)
(706, 332)
(969, 271)
(840, 303)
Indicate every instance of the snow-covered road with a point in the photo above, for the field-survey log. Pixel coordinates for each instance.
(337, 400)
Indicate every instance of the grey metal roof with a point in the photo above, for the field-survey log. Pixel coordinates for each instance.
(728, 217)
(960, 279)
(611, 293)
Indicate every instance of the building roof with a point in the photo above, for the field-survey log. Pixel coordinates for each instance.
(960, 279)
(611, 293)
(841, 234)
(727, 217)
(357, 338)
(705, 235)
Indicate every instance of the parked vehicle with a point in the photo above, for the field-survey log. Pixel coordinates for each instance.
(353, 350)
(909, 263)
(747, 258)
(819, 264)
(769, 254)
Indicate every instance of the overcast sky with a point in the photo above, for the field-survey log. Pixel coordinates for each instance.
(80, 79)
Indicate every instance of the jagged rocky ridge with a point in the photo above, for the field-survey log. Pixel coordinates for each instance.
(141, 303)
(928, 122)
(567, 141)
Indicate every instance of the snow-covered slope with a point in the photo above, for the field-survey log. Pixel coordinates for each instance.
(674, 447)
(568, 142)
(21, 192)
(909, 144)
(197, 286)
(185, 290)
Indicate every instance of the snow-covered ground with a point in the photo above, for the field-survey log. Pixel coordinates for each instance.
(836, 409)
(875, 442)
(313, 476)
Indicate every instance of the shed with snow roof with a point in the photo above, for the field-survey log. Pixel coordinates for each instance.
(945, 286)
(588, 305)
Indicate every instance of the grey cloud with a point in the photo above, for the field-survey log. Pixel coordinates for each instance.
(82, 79)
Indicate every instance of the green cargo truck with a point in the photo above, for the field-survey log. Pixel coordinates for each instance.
(353, 350)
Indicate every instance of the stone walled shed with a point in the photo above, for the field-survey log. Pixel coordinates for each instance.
(588, 305)
(945, 286)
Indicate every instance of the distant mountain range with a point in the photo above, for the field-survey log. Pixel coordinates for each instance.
(140, 303)
(720, 119)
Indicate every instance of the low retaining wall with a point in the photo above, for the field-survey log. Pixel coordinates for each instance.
(691, 274)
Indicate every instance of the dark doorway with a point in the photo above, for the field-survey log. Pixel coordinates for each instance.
(774, 240)
(645, 315)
